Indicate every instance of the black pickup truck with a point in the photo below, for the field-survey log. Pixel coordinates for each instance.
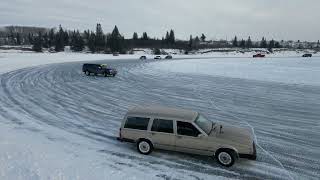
(98, 69)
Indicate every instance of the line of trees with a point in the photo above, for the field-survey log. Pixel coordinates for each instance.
(249, 44)
(99, 42)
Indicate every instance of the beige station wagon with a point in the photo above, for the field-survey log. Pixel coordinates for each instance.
(154, 127)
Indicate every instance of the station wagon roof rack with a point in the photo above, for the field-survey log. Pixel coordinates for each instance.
(164, 112)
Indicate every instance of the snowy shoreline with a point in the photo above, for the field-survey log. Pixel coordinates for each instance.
(14, 59)
(57, 123)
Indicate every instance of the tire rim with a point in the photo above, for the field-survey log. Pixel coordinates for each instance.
(225, 158)
(144, 147)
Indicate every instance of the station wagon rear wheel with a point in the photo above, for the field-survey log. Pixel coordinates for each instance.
(144, 147)
(226, 157)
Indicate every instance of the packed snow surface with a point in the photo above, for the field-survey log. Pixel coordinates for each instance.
(57, 123)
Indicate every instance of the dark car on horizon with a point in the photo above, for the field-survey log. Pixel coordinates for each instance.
(168, 57)
(143, 57)
(307, 55)
(98, 69)
(157, 57)
(259, 55)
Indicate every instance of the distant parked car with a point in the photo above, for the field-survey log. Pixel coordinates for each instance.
(259, 55)
(157, 57)
(168, 57)
(143, 57)
(307, 55)
(154, 127)
(98, 69)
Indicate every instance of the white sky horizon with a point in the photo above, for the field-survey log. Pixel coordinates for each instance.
(273, 19)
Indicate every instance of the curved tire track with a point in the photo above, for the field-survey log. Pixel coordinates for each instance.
(285, 117)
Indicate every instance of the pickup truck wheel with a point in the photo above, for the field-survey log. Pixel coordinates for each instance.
(105, 74)
(87, 73)
(226, 157)
(144, 147)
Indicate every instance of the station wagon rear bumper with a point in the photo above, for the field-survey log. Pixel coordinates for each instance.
(252, 156)
(125, 140)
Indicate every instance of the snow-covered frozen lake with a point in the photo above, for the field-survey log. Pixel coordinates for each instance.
(57, 123)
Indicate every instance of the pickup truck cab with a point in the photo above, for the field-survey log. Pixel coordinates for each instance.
(155, 127)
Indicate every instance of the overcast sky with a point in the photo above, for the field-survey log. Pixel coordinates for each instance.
(218, 19)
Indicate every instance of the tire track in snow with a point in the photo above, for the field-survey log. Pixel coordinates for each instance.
(62, 97)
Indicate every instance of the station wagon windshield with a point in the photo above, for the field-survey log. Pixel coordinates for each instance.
(204, 124)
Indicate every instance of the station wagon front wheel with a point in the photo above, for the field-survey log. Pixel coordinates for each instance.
(144, 147)
(226, 157)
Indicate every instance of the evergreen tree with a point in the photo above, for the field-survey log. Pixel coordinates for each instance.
(249, 43)
(100, 39)
(145, 36)
(37, 43)
(156, 51)
(135, 36)
(271, 44)
(18, 38)
(172, 38)
(51, 37)
(277, 45)
(196, 42)
(263, 43)
(190, 44)
(30, 38)
(59, 40)
(76, 42)
(66, 38)
(91, 42)
(203, 38)
(242, 43)
(235, 42)
(167, 38)
(46, 40)
(116, 41)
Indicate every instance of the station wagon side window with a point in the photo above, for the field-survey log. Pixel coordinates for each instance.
(187, 129)
(162, 125)
(138, 123)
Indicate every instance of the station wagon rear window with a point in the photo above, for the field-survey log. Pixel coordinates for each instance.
(161, 125)
(137, 123)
